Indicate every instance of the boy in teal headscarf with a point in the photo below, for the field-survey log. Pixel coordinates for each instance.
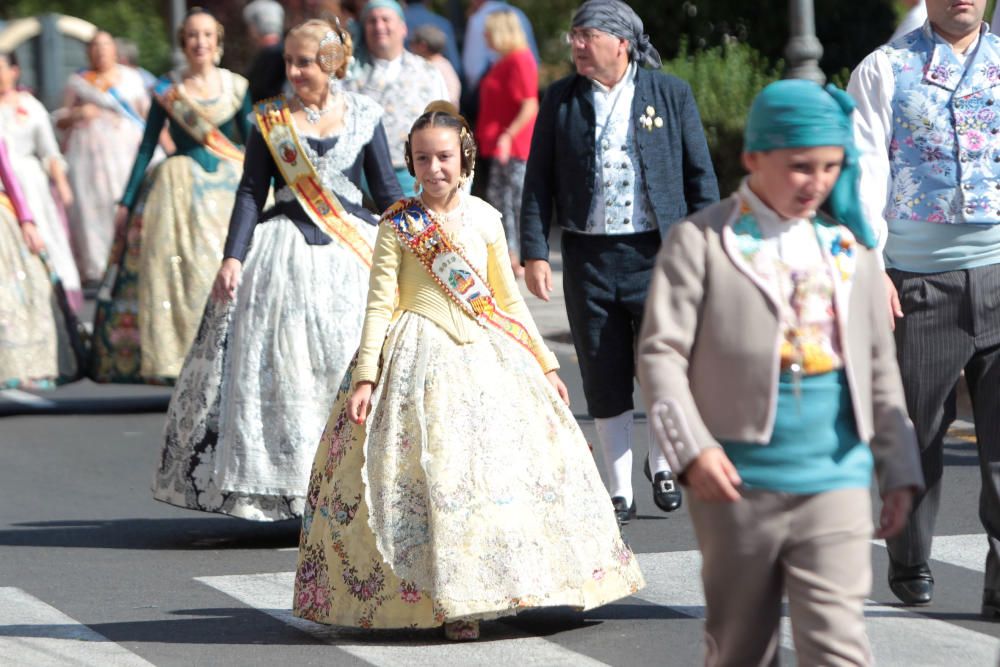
(773, 407)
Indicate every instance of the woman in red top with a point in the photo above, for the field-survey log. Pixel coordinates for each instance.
(508, 104)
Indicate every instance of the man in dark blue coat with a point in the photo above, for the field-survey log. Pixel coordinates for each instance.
(618, 155)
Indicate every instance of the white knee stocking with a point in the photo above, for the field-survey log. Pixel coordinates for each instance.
(657, 459)
(615, 434)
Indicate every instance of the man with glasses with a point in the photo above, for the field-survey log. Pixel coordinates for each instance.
(618, 155)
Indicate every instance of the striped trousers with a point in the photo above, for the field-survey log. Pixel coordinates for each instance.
(951, 323)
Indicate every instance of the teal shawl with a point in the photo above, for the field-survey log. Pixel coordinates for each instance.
(795, 113)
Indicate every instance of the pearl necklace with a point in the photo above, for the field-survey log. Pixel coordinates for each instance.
(313, 115)
(448, 218)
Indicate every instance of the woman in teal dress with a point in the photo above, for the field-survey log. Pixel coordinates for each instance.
(172, 222)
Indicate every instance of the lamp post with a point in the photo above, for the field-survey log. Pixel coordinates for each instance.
(803, 50)
(178, 8)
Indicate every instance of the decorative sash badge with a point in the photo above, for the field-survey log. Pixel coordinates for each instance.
(183, 112)
(321, 205)
(421, 233)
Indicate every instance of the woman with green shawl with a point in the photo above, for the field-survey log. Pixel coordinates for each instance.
(768, 366)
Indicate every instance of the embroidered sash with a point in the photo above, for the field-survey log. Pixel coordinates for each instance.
(422, 234)
(321, 205)
(190, 119)
(110, 97)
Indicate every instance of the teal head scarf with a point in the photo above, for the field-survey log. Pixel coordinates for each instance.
(382, 4)
(795, 113)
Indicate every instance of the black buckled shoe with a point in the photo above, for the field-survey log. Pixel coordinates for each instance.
(666, 492)
(912, 584)
(623, 512)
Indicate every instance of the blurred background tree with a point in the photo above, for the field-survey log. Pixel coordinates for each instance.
(726, 49)
(145, 23)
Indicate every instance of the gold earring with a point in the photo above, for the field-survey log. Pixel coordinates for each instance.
(416, 187)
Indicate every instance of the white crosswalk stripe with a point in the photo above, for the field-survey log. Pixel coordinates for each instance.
(272, 594)
(898, 636)
(968, 551)
(36, 634)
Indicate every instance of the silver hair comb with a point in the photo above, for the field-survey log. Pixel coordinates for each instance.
(331, 51)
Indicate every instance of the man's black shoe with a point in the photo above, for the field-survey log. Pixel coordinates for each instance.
(623, 512)
(666, 492)
(912, 584)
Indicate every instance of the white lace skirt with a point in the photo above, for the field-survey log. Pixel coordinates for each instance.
(258, 385)
(35, 184)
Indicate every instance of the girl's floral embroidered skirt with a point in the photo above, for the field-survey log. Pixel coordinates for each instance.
(473, 495)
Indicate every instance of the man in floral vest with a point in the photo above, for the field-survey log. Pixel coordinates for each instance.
(618, 155)
(929, 128)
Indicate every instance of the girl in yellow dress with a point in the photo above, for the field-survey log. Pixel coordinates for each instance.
(452, 483)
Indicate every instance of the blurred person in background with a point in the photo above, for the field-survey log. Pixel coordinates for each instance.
(102, 119)
(36, 348)
(477, 55)
(428, 43)
(265, 21)
(171, 224)
(508, 104)
(128, 55)
(418, 16)
(40, 166)
(403, 83)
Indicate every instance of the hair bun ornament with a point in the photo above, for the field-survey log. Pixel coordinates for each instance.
(442, 106)
(330, 52)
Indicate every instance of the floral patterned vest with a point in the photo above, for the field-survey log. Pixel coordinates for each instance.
(945, 147)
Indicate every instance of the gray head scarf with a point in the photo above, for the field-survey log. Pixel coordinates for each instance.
(616, 18)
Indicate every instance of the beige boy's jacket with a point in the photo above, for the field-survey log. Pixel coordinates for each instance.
(710, 341)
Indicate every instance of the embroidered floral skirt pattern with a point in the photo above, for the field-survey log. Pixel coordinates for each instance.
(260, 379)
(473, 495)
(161, 271)
(35, 349)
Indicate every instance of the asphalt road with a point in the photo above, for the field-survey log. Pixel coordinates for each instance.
(93, 571)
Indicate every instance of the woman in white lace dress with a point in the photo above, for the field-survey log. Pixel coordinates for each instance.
(103, 118)
(40, 168)
(287, 306)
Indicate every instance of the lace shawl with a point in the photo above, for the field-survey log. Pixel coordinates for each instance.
(361, 118)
